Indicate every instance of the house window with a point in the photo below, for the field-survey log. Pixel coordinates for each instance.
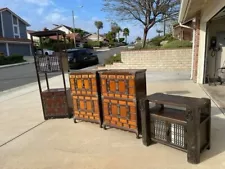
(15, 20)
(16, 29)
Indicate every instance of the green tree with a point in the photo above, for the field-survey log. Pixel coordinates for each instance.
(80, 31)
(110, 36)
(116, 29)
(99, 25)
(146, 12)
(126, 33)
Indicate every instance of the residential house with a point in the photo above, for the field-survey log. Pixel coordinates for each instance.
(182, 33)
(13, 34)
(36, 39)
(94, 37)
(70, 35)
(64, 28)
(208, 17)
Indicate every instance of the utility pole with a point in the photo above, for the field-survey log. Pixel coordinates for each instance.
(164, 25)
(74, 36)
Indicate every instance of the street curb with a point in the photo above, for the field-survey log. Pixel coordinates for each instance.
(20, 87)
(17, 64)
(30, 85)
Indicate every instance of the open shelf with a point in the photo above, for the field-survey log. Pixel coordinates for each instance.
(168, 113)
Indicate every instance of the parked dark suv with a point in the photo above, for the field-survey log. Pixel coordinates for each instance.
(79, 58)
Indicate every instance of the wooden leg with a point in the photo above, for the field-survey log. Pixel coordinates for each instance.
(193, 135)
(145, 120)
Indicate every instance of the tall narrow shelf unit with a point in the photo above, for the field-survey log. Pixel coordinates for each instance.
(55, 101)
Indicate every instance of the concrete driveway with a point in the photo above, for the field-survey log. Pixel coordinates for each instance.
(29, 142)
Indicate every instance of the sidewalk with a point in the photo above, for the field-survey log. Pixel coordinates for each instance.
(62, 144)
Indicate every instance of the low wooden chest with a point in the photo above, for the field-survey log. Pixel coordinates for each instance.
(181, 122)
(85, 89)
(120, 90)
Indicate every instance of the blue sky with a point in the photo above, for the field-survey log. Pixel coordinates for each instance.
(44, 13)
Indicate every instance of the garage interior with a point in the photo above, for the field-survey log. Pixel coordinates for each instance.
(215, 58)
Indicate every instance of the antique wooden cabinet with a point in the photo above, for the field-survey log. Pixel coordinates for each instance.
(183, 123)
(85, 90)
(120, 90)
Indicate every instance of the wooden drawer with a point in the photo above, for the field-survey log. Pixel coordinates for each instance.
(123, 84)
(87, 108)
(84, 83)
(121, 114)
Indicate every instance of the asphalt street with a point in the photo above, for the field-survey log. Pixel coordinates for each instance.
(21, 75)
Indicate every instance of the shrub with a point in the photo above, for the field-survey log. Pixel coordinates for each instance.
(113, 59)
(121, 39)
(94, 44)
(86, 45)
(138, 46)
(11, 59)
(158, 39)
(178, 44)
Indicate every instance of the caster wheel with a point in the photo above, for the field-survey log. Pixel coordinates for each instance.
(137, 136)
(75, 121)
(208, 148)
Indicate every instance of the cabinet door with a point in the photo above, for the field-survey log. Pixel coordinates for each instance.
(86, 107)
(118, 86)
(120, 113)
(84, 84)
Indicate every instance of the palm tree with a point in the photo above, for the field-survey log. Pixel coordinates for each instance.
(99, 25)
(126, 33)
(118, 30)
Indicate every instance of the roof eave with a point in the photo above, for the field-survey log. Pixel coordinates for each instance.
(7, 9)
(183, 10)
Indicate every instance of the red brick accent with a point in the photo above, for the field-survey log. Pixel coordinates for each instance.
(196, 48)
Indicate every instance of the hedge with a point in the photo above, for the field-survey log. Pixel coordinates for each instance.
(5, 60)
(178, 44)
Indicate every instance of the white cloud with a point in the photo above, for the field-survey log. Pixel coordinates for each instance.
(55, 17)
(40, 2)
(94, 18)
(40, 11)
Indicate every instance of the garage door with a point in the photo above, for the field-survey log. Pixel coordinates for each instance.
(3, 48)
(19, 49)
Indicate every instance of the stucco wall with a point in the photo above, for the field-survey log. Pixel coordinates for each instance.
(23, 30)
(156, 60)
(7, 23)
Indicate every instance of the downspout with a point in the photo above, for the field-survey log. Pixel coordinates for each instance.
(193, 44)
